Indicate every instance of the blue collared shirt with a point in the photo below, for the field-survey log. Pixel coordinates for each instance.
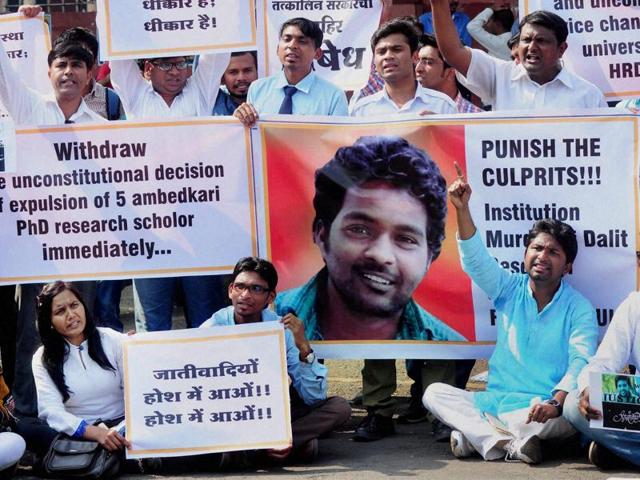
(536, 353)
(315, 96)
(459, 19)
(224, 104)
(309, 380)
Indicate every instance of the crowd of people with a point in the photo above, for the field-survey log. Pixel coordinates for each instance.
(547, 333)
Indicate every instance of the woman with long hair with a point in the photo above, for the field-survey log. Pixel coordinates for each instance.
(78, 374)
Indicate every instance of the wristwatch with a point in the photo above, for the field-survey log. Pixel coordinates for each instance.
(309, 358)
(555, 403)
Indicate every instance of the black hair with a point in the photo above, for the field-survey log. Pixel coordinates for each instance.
(550, 20)
(624, 378)
(513, 41)
(262, 267)
(72, 51)
(56, 348)
(79, 36)
(428, 40)
(253, 53)
(307, 27)
(397, 25)
(563, 233)
(388, 159)
(504, 17)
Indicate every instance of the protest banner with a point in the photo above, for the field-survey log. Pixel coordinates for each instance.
(617, 396)
(165, 28)
(347, 25)
(125, 200)
(207, 390)
(603, 43)
(26, 42)
(521, 170)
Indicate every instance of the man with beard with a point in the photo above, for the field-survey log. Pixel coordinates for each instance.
(380, 209)
(237, 78)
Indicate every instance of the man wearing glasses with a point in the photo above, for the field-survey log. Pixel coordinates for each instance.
(252, 289)
(171, 91)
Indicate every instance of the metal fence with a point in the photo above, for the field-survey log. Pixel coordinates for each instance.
(50, 6)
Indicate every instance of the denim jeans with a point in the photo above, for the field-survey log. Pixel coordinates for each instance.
(203, 295)
(624, 444)
(107, 307)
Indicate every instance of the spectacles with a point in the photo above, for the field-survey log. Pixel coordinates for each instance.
(429, 61)
(167, 66)
(253, 288)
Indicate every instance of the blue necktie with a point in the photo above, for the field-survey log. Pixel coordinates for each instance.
(286, 108)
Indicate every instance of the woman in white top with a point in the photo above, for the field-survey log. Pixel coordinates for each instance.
(78, 374)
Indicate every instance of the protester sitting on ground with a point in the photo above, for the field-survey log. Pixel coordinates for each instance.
(12, 448)
(252, 289)
(237, 78)
(538, 81)
(619, 348)
(546, 332)
(78, 372)
(296, 89)
(491, 28)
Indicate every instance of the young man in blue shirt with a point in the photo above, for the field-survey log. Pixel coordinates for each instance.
(252, 289)
(546, 332)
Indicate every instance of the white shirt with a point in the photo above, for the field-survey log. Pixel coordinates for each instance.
(507, 86)
(197, 98)
(425, 99)
(94, 393)
(620, 345)
(496, 45)
(29, 107)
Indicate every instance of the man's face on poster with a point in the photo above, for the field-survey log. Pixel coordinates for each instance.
(376, 249)
(624, 390)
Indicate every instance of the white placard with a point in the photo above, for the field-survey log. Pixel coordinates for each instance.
(123, 200)
(27, 43)
(207, 390)
(165, 28)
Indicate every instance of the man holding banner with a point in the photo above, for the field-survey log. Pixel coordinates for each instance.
(537, 81)
(546, 332)
(171, 93)
(380, 207)
(296, 89)
(253, 288)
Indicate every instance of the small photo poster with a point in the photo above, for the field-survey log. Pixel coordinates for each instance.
(617, 396)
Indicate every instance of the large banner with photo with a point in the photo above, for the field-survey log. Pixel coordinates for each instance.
(207, 390)
(603, 42)
(347, 26)
(165, 28)
(191, 197)
(127, 200)
(520, 170)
